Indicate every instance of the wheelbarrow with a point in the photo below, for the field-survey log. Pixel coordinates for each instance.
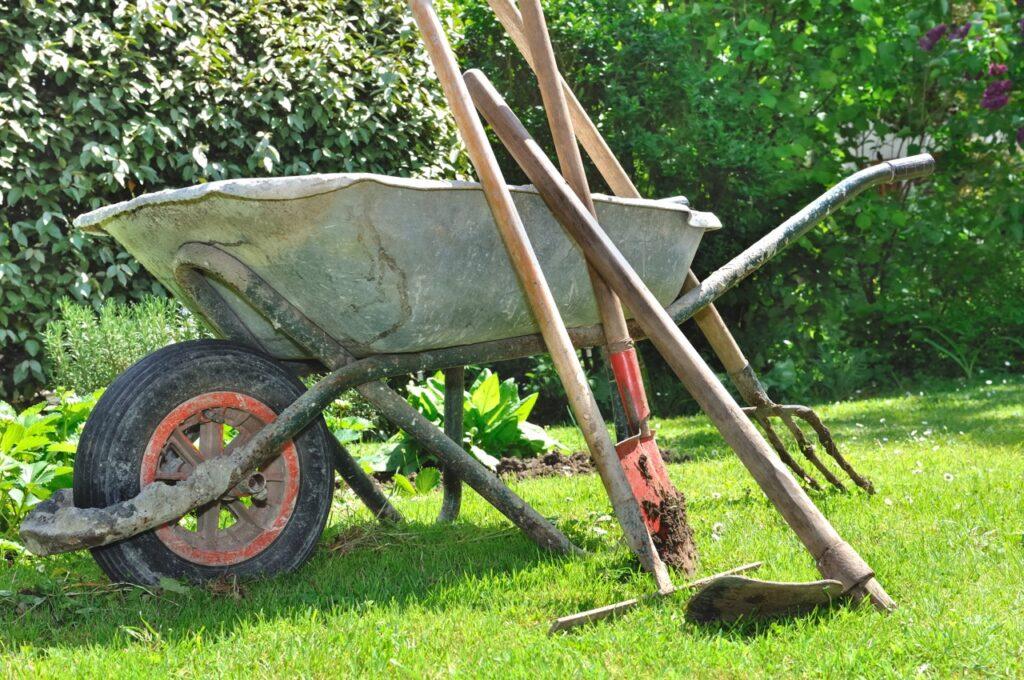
(210, 457)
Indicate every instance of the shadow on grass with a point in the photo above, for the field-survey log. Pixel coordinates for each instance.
(414, 564)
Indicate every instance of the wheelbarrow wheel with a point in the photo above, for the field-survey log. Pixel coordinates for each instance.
(169, 412)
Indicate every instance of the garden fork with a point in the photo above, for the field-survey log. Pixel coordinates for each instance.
(760, 406)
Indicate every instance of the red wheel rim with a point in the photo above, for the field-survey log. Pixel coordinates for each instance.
(238, 526)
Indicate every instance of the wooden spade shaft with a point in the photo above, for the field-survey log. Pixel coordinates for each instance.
(708, 319)
(835, 558)
(525, 263)
(571, 163)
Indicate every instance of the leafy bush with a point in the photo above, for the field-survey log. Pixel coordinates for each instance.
(752, 109)
(102, 101)
(494, 424)
(88, 349)
(37, 448)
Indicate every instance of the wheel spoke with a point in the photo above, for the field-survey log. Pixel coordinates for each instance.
(244, 514)
(184, 447)
(208, 521)
(211, 439)
(169, 476)
(241, 439)
(274, 472)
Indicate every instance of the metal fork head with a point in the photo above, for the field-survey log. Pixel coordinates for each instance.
(788, 414)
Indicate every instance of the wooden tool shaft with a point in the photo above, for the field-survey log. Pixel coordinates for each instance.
(569, 160)
(535, 287)
(708, 319)
(836, 559)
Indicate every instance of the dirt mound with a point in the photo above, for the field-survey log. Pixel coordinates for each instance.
(548, 465)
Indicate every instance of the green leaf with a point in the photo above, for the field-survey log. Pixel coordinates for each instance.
(487, 396)
(403, 485)
(525, 406)
(427, 479)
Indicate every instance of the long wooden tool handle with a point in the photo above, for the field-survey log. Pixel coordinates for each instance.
(835, 558)
(708, 319)
(546, 68)
(527, 267)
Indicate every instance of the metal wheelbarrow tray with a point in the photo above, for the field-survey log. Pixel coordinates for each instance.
(388, 265)
(370, 277)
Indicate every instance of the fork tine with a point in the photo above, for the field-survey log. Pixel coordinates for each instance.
(807, 449)
(780, 449)
(825, 438)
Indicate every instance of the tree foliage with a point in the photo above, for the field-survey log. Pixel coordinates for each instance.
(752, 108)
(102, 101)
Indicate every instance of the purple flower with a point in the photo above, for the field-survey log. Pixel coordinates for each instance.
(996, 69)
(995, 103)
(961, 32)
(932, 37)
(996, 95)
(1020, 132)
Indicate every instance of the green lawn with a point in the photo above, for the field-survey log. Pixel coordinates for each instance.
(945, 534)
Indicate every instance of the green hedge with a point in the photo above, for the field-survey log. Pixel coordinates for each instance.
(752, 108)
(102, 101)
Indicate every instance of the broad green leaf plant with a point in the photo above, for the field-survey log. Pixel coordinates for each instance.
(103, 101)
(494, 424)
(37, 448)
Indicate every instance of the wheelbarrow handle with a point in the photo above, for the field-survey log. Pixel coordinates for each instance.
(778, 239)
(911, 167)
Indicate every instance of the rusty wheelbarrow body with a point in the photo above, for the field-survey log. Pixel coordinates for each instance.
(368, 275)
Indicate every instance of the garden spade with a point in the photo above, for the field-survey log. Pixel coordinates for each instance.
(538, 294)
(663, 506)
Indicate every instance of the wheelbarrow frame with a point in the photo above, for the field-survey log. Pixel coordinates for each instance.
(57, 526)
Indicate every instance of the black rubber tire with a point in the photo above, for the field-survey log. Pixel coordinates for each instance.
(110, 451)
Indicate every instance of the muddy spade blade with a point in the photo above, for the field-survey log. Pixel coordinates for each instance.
(727, 598)
(662, 505)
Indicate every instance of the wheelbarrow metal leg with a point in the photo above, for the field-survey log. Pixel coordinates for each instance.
(835, 558)
(451, 484)
(363, 485)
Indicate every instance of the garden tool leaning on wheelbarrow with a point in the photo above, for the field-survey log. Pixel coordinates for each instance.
(835, 558)
(160, 491)
(663, 506)
(760, 406)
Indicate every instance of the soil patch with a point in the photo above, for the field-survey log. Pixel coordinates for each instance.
(548, 465)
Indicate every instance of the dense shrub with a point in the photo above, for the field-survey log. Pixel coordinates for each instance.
(37, 450)
(87, 350)
(102, 101)
(752, 108)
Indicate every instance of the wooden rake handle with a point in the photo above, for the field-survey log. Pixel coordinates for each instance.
(708, 319)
